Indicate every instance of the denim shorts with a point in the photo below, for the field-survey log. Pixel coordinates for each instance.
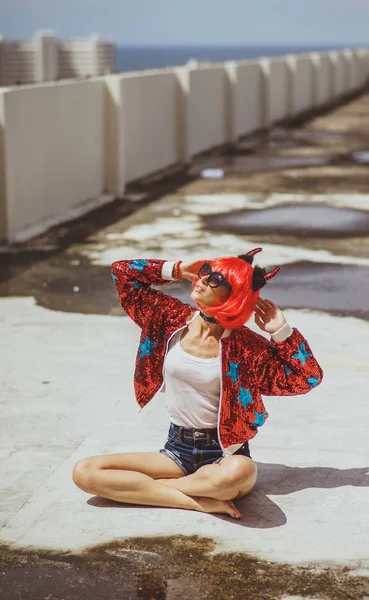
(193, 448)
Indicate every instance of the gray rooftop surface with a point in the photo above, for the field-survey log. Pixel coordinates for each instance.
(67, 359)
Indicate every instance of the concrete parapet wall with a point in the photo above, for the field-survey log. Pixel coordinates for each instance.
(248, 97)
(141, 126)
(339, 74)
(362, 56)
(278, 100)
(66, 143)
(301, 84)
(114, 137)
(322, 79)
(52, 153)
(208, 122)
(4, 230)
(150, 122)
(352, 70)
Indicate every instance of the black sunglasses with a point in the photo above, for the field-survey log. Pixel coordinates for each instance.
(215, 278)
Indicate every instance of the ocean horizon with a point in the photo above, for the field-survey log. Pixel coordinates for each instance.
(135, 58)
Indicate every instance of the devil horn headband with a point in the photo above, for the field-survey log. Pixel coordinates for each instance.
(259, 277)
(249, 256)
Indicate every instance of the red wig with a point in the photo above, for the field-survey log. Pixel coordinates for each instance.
(246, 282)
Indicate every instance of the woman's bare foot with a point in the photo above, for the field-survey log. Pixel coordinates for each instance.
(210, 505)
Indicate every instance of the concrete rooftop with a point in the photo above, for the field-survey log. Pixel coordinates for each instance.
(67, 358)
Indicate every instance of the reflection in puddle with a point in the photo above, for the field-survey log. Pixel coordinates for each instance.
(302, 219)
(361, 157)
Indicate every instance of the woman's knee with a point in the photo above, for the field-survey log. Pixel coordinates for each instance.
(83, 474)
(239, 471)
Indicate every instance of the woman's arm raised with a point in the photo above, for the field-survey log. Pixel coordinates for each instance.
(133, 280)
(286, 365)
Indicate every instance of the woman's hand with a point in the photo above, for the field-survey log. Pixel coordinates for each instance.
(268, 316)
(190, 270)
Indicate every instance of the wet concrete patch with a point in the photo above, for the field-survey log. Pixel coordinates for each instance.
(361, 157)
(325, 136)
(71, 284)
(235, 165)
(337, 289)
(303, 219)
(345, 176)
(260, 164)
(333, 288)
(288, 148)
(66, 283)
(166, 568)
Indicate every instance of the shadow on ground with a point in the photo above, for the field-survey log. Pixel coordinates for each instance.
(258, 510)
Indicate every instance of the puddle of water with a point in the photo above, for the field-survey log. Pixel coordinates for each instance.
(329, 287)
(322, 133)
(283, 143)
(359, 573)
(361, 157)
(304, 284)
(59, 285)
(303, 219)
(189, 569)
(288, 138)
(320, 286)
(256, 163)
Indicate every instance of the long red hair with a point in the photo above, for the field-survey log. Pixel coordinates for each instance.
(240, 305)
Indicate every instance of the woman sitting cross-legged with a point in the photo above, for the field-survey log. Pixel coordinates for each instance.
(215, 371)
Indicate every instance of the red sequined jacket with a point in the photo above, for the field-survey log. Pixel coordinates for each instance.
(250, 364)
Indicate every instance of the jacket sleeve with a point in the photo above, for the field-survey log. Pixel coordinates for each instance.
(286, 368)
(133, 280)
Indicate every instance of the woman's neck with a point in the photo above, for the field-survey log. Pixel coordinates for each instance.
(206, 328)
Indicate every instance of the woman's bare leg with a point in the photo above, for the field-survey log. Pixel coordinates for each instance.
(131, 478)
(233, 477)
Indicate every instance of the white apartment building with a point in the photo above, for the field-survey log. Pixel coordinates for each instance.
(47, 58)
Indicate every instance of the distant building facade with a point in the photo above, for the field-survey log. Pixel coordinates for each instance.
(46, 58)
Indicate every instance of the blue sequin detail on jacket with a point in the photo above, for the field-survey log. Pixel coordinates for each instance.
(233, 371)
(146, 347)
(302, 354)
(138, 264)
(245, 397)
(259, 419)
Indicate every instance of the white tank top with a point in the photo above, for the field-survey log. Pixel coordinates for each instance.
(192, 387)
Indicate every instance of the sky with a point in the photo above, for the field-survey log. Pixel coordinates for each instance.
(193, 22)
